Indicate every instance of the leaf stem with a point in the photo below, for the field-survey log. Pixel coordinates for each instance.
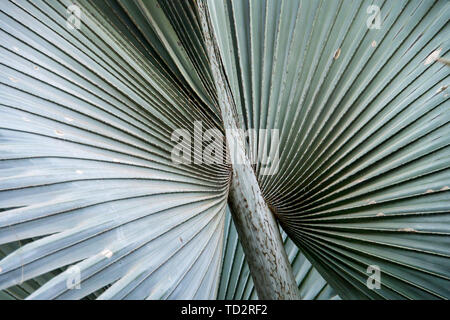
(257, 228)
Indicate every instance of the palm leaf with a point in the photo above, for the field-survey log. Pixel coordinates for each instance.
(87, 179)
(86, 123)
(363, 118)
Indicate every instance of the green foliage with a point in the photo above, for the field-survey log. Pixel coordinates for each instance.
(87, 114)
